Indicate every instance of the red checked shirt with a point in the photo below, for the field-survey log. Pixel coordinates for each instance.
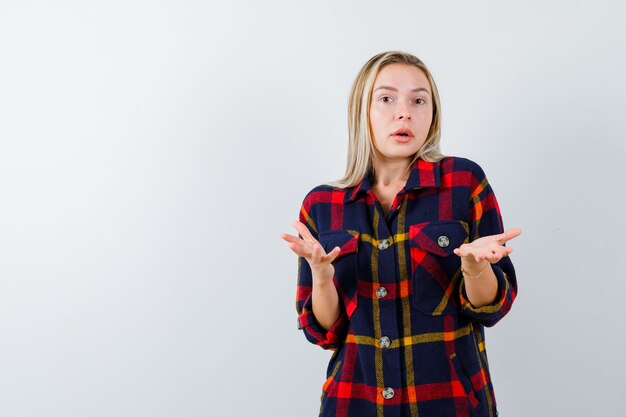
(407, 341)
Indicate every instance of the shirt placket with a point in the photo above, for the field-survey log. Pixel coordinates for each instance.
(386, 326)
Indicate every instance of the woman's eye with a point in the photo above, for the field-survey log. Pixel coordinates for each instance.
(420, 101)
(386, 99)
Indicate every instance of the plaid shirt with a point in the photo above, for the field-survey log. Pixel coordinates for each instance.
(407, 341)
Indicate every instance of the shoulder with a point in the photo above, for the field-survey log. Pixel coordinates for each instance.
(321, 205)
(320, 189)
(326, 193)
(458, 163)
(322, 197)
(460, 167)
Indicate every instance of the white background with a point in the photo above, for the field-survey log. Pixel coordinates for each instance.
(153, 151)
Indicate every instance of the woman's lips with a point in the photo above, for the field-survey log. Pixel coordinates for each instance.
(402, 139)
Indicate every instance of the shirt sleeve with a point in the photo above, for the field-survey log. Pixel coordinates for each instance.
(485, 221)
(313, 331)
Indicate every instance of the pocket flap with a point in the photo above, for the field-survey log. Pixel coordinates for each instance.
(439, 238)
(347, 240)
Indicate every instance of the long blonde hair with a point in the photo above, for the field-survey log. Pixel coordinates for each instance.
(360, 147)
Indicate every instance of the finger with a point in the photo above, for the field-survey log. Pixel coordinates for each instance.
(494, 257)
(502, 250)
(461, 251)
(297, 240)
(303, 230)
(316, 252)
(508, 235)
(304, 245)
(468, 250)
(298, 250)
(501, 253)
(290, 238)
(304, 248)
(332, 255)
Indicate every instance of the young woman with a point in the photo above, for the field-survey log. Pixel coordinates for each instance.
(402, 262)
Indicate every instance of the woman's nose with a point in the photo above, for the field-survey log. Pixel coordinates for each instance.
(403, 112)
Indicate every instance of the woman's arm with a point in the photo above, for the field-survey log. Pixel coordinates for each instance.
(325, 299)
(316, 274)
(324, 295)
(481, 284)
(486, 241)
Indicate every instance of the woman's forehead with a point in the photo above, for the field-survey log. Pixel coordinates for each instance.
(401, 76)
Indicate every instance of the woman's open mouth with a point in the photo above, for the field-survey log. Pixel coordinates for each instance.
(402, 135)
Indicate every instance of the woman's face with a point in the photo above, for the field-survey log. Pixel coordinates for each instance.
(401, 100)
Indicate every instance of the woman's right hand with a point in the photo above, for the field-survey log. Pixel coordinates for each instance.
(310, 249)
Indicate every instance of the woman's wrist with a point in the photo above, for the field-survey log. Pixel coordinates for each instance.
(323, 276)
(474, 269)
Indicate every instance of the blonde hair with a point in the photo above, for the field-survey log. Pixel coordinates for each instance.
(360, 147)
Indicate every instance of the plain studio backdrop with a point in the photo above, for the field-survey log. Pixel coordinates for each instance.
(153, 151)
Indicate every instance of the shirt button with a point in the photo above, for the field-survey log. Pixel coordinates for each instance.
(388, 393)
(381, 292)
(384, 342)
(383, 244)
(443, 241)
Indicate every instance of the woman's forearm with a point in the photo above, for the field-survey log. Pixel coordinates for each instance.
(481, 284)
(325, 300)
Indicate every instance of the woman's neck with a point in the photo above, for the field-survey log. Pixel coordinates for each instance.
(391, 172)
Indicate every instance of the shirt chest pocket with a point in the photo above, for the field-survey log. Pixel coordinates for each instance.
(435, 269)
(345, 264)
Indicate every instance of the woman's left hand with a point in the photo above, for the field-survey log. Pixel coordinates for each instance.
(488, 248)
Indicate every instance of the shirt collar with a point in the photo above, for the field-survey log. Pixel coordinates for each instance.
(423, 175)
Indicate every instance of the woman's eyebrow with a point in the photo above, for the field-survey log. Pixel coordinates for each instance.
(415, 90)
